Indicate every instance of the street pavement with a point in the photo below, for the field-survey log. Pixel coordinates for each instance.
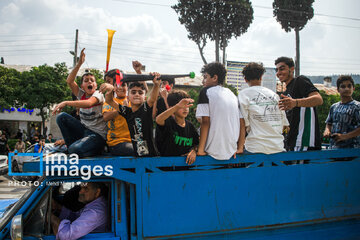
(8, 190)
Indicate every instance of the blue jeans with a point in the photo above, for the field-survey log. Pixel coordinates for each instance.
(78, 138)
(122, 149)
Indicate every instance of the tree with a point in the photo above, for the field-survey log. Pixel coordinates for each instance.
(217, 21)
(323, 110)
(44, 86)
(294, 14)
(356, 94)
(9, 82)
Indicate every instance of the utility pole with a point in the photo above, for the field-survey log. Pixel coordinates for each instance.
(76, 47)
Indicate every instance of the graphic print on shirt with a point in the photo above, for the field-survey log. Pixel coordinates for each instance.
(270, 110)
(142, 147)
(182, 141)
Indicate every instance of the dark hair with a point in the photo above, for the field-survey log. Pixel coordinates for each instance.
(100, 185)
(170, 80)
(175, 96)
(215, 68)
(137, 84)
(344, 78)
(112, 74)
(253, 71)
(84, 75)
(288, 61)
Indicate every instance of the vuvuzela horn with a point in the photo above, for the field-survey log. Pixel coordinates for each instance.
(110, 37)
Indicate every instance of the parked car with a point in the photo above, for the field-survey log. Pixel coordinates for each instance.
(17, 162)
(4, 165)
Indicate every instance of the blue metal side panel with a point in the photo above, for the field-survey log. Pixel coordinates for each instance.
(242, 199)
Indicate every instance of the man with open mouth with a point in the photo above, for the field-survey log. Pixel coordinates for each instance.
(87, 136)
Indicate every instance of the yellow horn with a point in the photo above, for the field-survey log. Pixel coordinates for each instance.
(110, 37)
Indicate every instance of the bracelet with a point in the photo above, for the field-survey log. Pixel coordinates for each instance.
(296, 102)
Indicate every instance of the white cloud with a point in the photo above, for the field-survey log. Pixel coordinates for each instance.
(154, 36)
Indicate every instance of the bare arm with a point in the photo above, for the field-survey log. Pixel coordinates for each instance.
(71, 78)
(241, 140)
(342, 137)
(108, 90)
(314, 99)
(184, 103)
(55, 222)
(155, 90)
(78, 104)
(110, 115)
(154, 110)
(327, 131)
(204, 132)
(137, 67)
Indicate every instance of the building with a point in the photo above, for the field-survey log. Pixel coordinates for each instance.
(326, 87)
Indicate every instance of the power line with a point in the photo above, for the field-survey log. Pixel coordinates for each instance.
(36, 44)
(182, 51)
(32, 40)
(256, 6)
(35, 34)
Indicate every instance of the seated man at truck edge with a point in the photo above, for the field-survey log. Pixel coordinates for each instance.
(343, 121)
(139, 116)
(92, 218)
(264, 120)
(179, 136)
(87, 136)
(225, 136)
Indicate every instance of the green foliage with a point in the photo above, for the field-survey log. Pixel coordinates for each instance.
(233, 89)
(324, 109)
(293, 14)
(10, 84)
(194, 94)
(44, 86)
(11, 142)
(356, 94)
(99, 76)
(217, 21)
(329, 100)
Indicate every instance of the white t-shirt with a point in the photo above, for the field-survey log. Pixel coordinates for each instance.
(264, 120)
(92, 117)
(222, 106)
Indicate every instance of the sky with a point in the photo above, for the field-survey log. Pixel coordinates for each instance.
(36, 32)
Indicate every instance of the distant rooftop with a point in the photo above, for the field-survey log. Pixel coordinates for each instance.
(328, 90)
(19, 68)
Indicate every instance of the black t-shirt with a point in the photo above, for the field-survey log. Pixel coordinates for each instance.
(302, 132)
(3, 149)
(176, 140)
(141, 129)
(160, 106)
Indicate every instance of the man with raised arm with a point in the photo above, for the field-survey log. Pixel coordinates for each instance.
(139, 116)
(87, 136)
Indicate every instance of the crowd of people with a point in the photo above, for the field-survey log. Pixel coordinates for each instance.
(24, 141)
(257, 121)
(120, 116)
